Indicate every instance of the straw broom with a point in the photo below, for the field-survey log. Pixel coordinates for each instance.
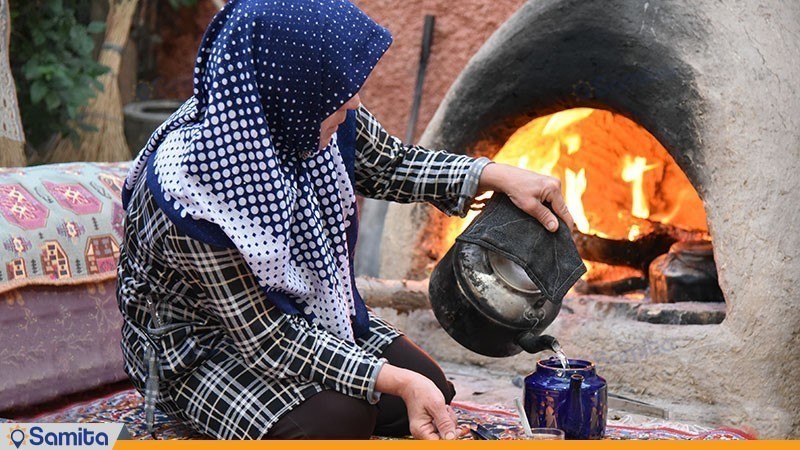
(104, 111)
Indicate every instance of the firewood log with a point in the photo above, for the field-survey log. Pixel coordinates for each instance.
(655, 240)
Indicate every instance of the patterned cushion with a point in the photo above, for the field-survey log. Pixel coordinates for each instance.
(60, 223)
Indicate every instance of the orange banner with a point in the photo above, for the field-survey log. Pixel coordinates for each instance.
(373, 445)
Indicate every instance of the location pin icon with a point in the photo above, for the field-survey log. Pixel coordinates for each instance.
(17, 437)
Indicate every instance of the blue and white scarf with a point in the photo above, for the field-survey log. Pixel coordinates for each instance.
(238, 164)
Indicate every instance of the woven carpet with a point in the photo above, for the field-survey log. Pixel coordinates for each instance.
(126, 407)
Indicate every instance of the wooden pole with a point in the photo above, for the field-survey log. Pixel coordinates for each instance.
(402, 295)
(12, 137)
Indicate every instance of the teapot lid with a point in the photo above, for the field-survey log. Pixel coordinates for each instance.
(498, 290)
(512, 274)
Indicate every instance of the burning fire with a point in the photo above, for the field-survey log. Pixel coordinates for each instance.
(633, 172)
(616, 177)
(575, 186)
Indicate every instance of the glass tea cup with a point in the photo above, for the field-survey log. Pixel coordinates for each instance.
(546, 434)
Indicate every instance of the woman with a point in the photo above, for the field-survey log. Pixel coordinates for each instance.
(241, 315)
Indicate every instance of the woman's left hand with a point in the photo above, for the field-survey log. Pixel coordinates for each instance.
(428, 415)
(529, 191)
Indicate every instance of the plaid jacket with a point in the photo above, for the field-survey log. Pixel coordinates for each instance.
(196, 322)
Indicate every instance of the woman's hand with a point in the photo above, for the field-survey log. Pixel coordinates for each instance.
(529, 191)
(428, 416)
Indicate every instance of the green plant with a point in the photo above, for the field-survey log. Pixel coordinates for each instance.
(181, 3)
(51, 53)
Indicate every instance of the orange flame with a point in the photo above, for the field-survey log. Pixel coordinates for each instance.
(574, 189)
(633, 172)
(616, 176)
(563, 119)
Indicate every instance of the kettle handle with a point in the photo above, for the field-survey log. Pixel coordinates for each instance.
(533, 343)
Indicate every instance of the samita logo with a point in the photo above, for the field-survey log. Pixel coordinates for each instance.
(17, 436)
(81, 437)
(59, 435)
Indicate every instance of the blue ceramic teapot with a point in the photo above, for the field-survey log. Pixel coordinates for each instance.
(574, 399)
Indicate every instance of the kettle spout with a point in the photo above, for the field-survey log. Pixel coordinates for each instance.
(533, 343)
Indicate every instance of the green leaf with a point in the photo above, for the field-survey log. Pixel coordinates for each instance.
(98, 85)
(57, 6)
(63, 81)
(175, 4)
(73, 136)
(83, 94)
(85, 126)
(33, 70)
(72, 112)
(52, 100)
(38, 91)
(96, 27)
(38, 37)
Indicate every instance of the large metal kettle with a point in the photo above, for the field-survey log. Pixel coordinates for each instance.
(483, 296)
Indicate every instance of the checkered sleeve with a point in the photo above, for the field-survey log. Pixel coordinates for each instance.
(387, 169)
(271, 342)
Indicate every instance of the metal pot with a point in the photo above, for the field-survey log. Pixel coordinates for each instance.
(488, 303)
(573, 399)
(142, 118)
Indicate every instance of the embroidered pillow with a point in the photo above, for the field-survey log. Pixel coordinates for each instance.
(60, 223)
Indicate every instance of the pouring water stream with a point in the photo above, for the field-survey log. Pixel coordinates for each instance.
(562, 357)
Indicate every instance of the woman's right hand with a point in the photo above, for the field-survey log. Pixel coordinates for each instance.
(529, 191)
(428, 415)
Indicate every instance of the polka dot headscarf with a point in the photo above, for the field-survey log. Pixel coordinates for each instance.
(238, 164)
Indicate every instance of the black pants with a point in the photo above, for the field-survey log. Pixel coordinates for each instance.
(332, 415)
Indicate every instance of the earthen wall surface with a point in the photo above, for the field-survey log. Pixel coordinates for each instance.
(461, 28)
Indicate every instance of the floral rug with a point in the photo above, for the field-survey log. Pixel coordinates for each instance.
(126, 407)
(504, 423)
